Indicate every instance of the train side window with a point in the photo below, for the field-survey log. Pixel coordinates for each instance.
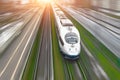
(60, 21)
(61, 41)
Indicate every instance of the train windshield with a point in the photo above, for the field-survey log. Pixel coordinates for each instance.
(71, 38)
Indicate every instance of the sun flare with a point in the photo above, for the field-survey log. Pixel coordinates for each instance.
(45, 1)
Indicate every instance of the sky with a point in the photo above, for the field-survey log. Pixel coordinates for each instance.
(25, 1)
(69, 1)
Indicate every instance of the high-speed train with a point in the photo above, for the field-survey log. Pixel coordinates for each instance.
(68, 35)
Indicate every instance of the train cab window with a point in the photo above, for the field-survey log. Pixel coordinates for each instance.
(71, 38)
(66, 22)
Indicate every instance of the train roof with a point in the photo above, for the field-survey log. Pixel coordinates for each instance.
(66, 22)
(57, 9)
(55, 6)
(62, 16)
(59, 13)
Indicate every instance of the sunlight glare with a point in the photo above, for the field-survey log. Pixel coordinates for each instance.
(45, 1)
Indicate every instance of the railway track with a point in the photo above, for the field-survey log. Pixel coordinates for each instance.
(16, 16)
(103, 23)
(44, 66)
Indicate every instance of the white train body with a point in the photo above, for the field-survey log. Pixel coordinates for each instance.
(68, 35)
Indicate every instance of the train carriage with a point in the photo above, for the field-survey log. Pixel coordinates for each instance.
(68, 35)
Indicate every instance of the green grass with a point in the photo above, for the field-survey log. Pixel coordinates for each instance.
(59, 73)
(70, 69)
(109, 62)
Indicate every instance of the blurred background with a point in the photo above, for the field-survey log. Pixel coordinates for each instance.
(106, 4)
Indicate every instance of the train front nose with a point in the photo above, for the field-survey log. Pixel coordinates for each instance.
(72, 53)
